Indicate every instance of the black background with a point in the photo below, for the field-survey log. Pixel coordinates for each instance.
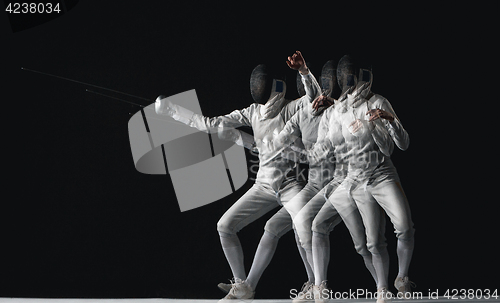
(80, 221)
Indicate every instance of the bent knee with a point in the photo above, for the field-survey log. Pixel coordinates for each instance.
(376, 248)
(301, 224)
(224, 228)
(405, 234)
(362, 250)
(276, 228)
(320, 227)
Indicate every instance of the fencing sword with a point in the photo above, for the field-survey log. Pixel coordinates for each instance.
(97, 93)
(108, 89)
(93, 85)
(108, 96)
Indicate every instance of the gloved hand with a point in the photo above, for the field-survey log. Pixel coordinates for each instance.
(322, 101)
(297, 62)
(379, 113)
(163, 106)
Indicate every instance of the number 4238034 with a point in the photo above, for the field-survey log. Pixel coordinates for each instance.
(471, 294)
(33, 8)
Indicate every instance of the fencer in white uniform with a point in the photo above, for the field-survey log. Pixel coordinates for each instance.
(271, 189)
(318, 219)
(305, 124)
(370, 128)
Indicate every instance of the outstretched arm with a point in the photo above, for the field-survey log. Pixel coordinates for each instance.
(210, 125)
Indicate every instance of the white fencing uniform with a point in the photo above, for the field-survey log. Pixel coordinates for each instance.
(321, 218)
(272, 188)
(372, 180)
(305, 124)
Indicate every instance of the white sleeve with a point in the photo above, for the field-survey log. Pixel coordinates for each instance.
(382, 138)
(311, 86)
(234, 119)
(324, 144)
(313, 90)
(241, 138)
(289, 133)
(283, 142)
(237, 118)
(395, 128)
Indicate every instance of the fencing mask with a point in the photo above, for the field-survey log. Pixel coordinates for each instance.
(346, 73)
(268, 90)
(328, 78)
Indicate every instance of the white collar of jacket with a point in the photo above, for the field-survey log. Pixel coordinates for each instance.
(276, 101)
